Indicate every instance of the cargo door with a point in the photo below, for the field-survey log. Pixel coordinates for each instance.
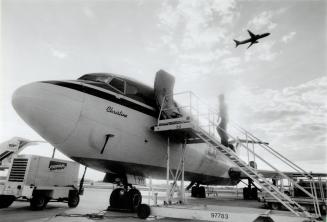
(163, 92)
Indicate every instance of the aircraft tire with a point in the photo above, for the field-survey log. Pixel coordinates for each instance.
(143, 211)
(194, 191)
(198, 192)
(254, 193)
(38, 202)
(6, 201)
(323, 209)
(201, 192)
(246, 193)
(117, 198)
(133, 199)
(275, 206)
(73, 200)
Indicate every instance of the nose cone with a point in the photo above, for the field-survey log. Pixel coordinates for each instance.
(51, 110)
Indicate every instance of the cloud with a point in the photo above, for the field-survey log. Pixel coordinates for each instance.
(293, 119)
(288, 37)
(196, 23)
(205, 57)
(58, 54)
(264, 21)
(226, 9)
(195, 34)
(88, 12)
(261, 51)
(232, 64)
(306, 98)
(54, 51)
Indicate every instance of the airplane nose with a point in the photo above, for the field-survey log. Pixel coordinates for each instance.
(51, 110)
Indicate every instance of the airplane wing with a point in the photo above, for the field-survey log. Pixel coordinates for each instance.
(252, 44)
(251, 34)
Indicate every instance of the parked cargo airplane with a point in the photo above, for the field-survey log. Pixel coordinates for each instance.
(104, 121)
(253, 39)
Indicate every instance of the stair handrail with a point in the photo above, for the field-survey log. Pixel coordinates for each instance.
(315, 201)
(286, 197)
(237, 126)
(314, 198)
(278, 155)
(274, 152)
(295, 167)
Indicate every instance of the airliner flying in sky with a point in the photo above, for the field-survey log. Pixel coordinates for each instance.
(253, 39)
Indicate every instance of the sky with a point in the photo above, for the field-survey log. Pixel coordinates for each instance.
(276, 89)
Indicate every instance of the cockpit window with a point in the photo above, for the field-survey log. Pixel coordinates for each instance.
(131, 90)
(105, 78)
(118, 84)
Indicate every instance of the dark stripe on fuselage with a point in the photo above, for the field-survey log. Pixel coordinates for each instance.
(104, 95)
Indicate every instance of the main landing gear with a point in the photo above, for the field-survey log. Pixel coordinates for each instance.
(198, 191)
(125, 198)
(250, 192)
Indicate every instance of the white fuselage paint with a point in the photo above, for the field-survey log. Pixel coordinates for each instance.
(77, 124)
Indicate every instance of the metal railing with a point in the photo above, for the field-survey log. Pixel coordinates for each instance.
(191, 106)
(206, 118)
(289, 163)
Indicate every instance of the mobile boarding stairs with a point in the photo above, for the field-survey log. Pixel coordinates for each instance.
(190, 120)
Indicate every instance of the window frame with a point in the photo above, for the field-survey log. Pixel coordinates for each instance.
(92, 77)
(115, 87)
(129, 85)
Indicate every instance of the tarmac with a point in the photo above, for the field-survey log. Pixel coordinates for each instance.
(93, 205)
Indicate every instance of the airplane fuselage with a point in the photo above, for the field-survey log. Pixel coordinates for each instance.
(252, 40)
(111, 131)
(257, 37)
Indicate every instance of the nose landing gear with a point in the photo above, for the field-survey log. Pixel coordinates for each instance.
(125, 198)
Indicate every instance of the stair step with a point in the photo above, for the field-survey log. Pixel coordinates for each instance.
(252, 173)
(211, 140)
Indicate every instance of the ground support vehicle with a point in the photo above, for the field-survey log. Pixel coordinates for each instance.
(40, 180)
(317, 186)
